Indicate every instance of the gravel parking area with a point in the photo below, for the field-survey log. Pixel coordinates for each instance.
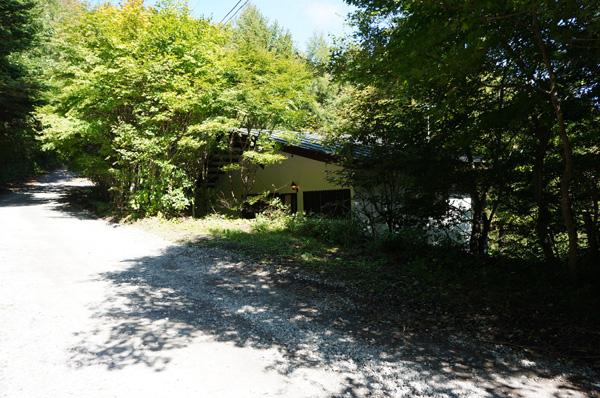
(93, 309)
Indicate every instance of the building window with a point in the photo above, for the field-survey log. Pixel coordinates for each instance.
(335, 203)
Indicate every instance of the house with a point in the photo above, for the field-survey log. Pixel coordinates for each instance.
(303, 180)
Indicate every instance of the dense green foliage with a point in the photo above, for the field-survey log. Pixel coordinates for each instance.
(143, 97)
(496, 100)
(21, 28)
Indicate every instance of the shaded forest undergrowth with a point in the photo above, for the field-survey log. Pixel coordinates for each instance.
(406, 286)
(533, 306)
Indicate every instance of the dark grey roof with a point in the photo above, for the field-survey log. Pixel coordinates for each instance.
(305, 140)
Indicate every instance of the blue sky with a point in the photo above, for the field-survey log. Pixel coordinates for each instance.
(301, 17)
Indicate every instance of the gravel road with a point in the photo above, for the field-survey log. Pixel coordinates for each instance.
(92, 309)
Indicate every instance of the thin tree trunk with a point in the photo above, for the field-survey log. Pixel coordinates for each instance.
(477, 224)
(592, 234)
(566, 153)
(543, 218)
(590, 219)
(486, 228)
(565, 186)
(501, 236)
(478, 204)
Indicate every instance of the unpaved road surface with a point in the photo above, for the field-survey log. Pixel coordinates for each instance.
(91, 309)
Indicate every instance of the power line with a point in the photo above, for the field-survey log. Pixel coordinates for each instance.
(238, 10)
(230, 11)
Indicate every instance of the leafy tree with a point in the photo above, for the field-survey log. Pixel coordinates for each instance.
(268, 80)
(254, 31)
(19, 89)
(132, 98)
(267, 88)
(145, 98)
(18, 32)
(318, 51)
(498, 80)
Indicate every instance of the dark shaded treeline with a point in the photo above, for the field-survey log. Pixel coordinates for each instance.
(20, 31)
(509, 88)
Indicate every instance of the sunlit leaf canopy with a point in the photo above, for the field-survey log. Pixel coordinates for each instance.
(151, 91)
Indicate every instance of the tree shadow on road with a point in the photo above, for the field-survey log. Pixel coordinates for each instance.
(192, 293)
(60, 190)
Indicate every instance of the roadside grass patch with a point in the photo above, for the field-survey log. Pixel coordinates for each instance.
(324, 246)
(186, 229)
(315, 244)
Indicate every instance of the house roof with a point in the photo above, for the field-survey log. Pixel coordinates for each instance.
(304, 140)
(304, 143)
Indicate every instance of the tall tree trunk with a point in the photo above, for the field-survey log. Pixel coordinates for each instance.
(478, 238)
(566, 153)
(486, 224)
(591, 218)
(565, 185)
(478, 229)
(543, 218)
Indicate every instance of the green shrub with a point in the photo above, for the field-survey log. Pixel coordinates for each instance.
(338, 231)
(274, 217)
(408, 242)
